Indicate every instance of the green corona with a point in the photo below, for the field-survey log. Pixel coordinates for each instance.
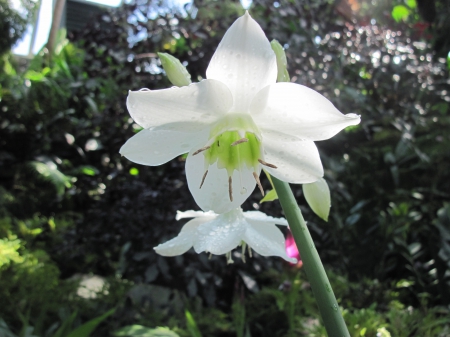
(234, 142)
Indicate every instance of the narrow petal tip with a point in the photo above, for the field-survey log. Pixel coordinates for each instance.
(355, 117)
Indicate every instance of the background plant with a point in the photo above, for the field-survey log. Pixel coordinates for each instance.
(70, 205)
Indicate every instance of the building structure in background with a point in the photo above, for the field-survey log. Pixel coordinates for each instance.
(76, 14)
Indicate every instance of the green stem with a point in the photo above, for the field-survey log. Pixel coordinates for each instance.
(328, 306)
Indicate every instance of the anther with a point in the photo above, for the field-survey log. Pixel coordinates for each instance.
(201, 150)
(203, 179)
(267, 164)
(239, 141)
(258, 182)
(230, 188)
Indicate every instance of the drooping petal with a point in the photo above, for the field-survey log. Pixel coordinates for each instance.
(195, 214)
(181, 243)
(220, 235)
(214, 194)
(256, 217)
(244, 61)
(267, 240)
(158, 146)
(299, 111)
(297, 160)
(187, 109)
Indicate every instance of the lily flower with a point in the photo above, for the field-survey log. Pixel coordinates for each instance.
(235, 122)
(220, 233)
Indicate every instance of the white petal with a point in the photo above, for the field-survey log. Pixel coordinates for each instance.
(214, 194)
(194, 214)
(255, 217)
(244, 61)
(299, 111)
(297, 160)
(187, 109)
(220, 235)
(156, 146)
(267, 240)
(180, 244)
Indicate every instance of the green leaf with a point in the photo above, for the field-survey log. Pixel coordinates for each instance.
(192, 325)
(87, 328)
(411, 3)
(134, 171)
(142, 331)
(34, 76)
(50, 172)
(270, 196)
(66, 325)
(400, 13)
(88, 170)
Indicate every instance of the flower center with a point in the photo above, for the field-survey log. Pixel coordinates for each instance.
(234, 142)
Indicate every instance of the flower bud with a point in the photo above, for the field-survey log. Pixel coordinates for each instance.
(283, 75)
(176, 72)
(317, 194)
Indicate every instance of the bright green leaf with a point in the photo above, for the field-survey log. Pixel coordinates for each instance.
(411, 3)
(400, 13)
(88, 170)
(270, 196)
(192, 325)
(134, 171)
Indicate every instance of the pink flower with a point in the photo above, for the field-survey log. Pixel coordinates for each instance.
(292, 250)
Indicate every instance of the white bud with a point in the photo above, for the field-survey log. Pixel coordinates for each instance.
(317, 194)
(176, 72)
(283, 75)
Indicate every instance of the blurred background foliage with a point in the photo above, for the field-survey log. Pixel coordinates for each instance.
(78, 223)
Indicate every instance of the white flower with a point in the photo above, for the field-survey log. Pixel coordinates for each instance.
(220, 233)
(234, 122)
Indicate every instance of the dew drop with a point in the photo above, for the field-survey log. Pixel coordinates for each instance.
(335, 307)
(243, 190)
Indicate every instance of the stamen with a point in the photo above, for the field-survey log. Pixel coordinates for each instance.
(267, 164)
(239, 141)
(229, 259)
(244, 245)
(258, 182)
(201, 150)
(210, 256)
(249, 251)
(203, 179)
(230, 188)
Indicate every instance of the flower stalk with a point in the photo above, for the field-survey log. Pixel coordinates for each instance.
(328, 306)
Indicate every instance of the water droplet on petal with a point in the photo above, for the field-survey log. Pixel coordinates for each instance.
(243, 190)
